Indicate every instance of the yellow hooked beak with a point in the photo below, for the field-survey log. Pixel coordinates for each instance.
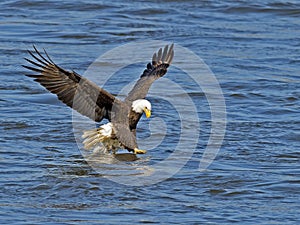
(147, 112)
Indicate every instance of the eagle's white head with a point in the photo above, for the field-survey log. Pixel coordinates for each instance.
(142, 105)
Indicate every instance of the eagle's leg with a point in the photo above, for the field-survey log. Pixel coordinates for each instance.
(139, 151)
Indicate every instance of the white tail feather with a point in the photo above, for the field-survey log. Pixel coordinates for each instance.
(102, 135)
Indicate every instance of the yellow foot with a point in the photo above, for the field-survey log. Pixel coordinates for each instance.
(139, 151)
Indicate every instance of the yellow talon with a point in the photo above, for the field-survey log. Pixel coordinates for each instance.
(139, 151)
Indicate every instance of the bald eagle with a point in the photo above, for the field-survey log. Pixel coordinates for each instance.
(96, 103)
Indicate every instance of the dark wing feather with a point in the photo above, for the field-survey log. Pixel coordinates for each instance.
(160, 62)
(75, 91)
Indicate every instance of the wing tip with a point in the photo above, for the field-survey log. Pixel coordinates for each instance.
(32, 68)
(164, 55)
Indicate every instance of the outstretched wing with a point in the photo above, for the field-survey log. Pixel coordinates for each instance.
(72, 89)
(160, 62)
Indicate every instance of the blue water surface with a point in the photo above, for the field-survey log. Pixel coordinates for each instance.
(253, 50)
